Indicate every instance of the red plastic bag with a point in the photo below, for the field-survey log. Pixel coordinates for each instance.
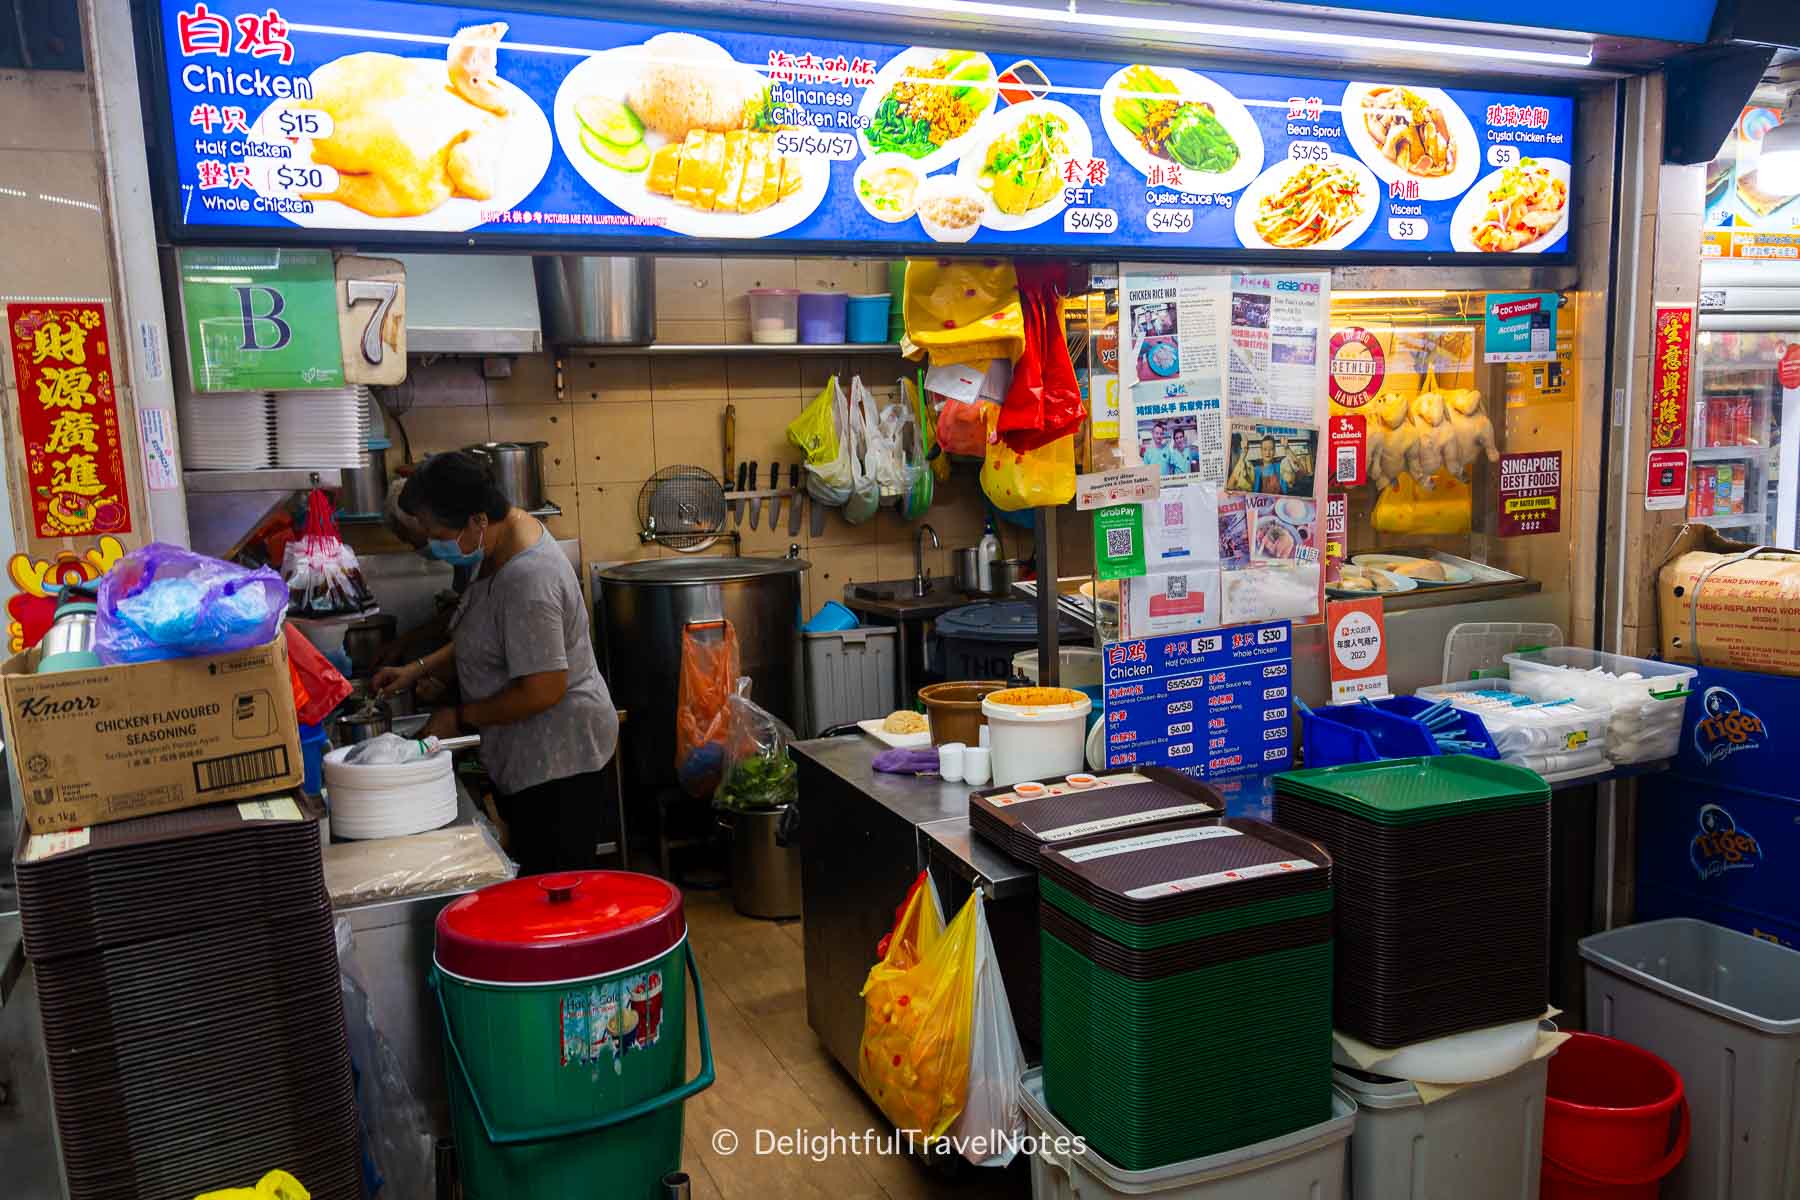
(962, 427)
(322, 574)
(1043, 405)
(318, 686)
(709, 672)
(881, 947)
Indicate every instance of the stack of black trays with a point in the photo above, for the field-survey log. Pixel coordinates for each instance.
(1022, 828)
(193, 1026)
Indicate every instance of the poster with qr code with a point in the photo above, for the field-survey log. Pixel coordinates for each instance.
(1119, 541)
(1181, 526)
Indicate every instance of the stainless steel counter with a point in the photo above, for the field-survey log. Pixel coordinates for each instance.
(865, 836)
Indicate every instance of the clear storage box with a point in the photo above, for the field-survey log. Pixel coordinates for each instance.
(1647, 698)
(1559, 738)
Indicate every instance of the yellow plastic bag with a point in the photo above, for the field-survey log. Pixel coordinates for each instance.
(1031, 479)
(918, 1019)
(276, 1185)
(814, 432)
(1444, 508)
(963, 310)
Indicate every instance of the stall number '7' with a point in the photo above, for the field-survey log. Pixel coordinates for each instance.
(382, 293)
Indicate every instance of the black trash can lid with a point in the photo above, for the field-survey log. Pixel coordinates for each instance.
(1008, 621)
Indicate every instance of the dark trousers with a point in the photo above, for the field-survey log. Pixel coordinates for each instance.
(555, 826)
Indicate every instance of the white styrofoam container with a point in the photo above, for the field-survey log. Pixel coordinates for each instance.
(1308, 1164)
(1036, 742)
(849, 676)
(1646, 711)
(1485, 1142)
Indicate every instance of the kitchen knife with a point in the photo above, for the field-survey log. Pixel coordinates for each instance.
(818, 515)
(794, 498)
(755, 505)
(775, 500)
(737, 506)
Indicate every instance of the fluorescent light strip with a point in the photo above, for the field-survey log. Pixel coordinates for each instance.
(1333, 38)
(1351, 294)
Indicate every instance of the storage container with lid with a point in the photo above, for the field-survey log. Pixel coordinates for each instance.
(774, 316)
(868, 318)
(822, 317)
(563, 1000)
(1647, 698)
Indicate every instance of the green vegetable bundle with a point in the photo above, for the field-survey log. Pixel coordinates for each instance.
(759, 783)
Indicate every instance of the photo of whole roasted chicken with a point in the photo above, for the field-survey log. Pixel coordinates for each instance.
(410, 136)
(679, 134)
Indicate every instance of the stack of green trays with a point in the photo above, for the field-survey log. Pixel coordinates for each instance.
(1186, 977)
(1443, 891)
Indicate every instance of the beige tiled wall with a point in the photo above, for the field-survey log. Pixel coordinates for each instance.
(621, 418)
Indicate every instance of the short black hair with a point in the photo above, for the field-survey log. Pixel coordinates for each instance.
(453, 487)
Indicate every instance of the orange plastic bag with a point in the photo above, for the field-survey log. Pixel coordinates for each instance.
(918, 1018)
(1015, 479)
(709, 672)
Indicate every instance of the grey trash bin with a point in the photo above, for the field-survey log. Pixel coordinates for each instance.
(1723, 1008)
(1485, 1142)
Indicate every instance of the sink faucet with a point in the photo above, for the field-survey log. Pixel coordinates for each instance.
(921, 572)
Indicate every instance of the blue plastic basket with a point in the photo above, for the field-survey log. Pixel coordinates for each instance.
(1357, 733)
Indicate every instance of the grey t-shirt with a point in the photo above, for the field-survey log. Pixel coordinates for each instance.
(526, 618)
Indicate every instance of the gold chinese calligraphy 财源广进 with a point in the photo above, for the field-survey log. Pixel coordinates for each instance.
(69, 419)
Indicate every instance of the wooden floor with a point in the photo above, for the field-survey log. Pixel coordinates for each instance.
(773, 1074)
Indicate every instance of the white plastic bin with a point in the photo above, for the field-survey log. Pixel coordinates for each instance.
(1647, 698)
(1080, 666)
(1723, 1009)
(1037, 741)
(1557, 740)
(1308, 1164)
(1486, 1142)
(849, 676)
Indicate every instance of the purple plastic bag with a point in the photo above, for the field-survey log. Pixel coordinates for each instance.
(907, 762)
(164, 602)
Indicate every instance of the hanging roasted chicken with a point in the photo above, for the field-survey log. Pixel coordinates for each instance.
(410, 133)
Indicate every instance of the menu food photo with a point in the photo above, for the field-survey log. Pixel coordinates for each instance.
(415, 120)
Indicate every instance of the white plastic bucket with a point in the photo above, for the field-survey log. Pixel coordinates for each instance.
(1036, 741)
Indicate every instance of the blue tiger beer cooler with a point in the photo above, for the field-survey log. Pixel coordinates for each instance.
(1719, 834)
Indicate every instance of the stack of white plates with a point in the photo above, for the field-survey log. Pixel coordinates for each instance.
(227, 431)
(324, 428)
(389, 799)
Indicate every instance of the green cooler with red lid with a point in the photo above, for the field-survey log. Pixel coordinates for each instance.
(564, 1001)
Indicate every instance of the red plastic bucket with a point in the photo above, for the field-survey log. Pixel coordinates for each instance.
(1607, 1111)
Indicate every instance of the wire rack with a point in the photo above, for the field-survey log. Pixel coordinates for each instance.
(682, 508)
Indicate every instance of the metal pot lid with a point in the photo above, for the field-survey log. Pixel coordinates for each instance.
(497, 446)
(1000, 621)
(549, 928)
(701, 570)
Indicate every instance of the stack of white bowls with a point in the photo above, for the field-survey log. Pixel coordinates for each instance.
(327, 427)
(379, 800)
(227, 431)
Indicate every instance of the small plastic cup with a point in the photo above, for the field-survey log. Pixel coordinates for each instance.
(984, 735)
(950, 761)
(977, 765)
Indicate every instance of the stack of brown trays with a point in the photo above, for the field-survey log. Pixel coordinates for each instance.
(1023, 828)
(193, 1024)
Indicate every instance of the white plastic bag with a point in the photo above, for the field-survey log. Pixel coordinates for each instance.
(992, 1119)
(865, 488)
(887, 450)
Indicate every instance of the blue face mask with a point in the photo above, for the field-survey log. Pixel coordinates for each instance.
(450, 550)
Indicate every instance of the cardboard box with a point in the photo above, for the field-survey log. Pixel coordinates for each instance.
(92, 747)
(1749, 608)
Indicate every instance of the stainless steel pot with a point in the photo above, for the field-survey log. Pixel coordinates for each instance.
(364, 491)
(518, 469)
(589, 300)
(1006, 572)
(366, 720)
(642, 609)
(765, 877)
(364, 640)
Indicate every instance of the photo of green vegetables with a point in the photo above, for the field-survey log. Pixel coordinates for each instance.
(926, 100)
(1181, 129)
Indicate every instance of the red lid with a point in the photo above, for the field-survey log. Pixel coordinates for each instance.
(549, 928)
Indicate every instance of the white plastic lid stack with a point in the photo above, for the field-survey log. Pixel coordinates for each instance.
(226, 431)
(327, 427)
(389, 800)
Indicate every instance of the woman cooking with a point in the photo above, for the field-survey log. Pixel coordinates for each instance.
(520, 650)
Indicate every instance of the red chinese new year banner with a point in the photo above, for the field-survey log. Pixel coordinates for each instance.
(69, 417)
(1671, 362)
